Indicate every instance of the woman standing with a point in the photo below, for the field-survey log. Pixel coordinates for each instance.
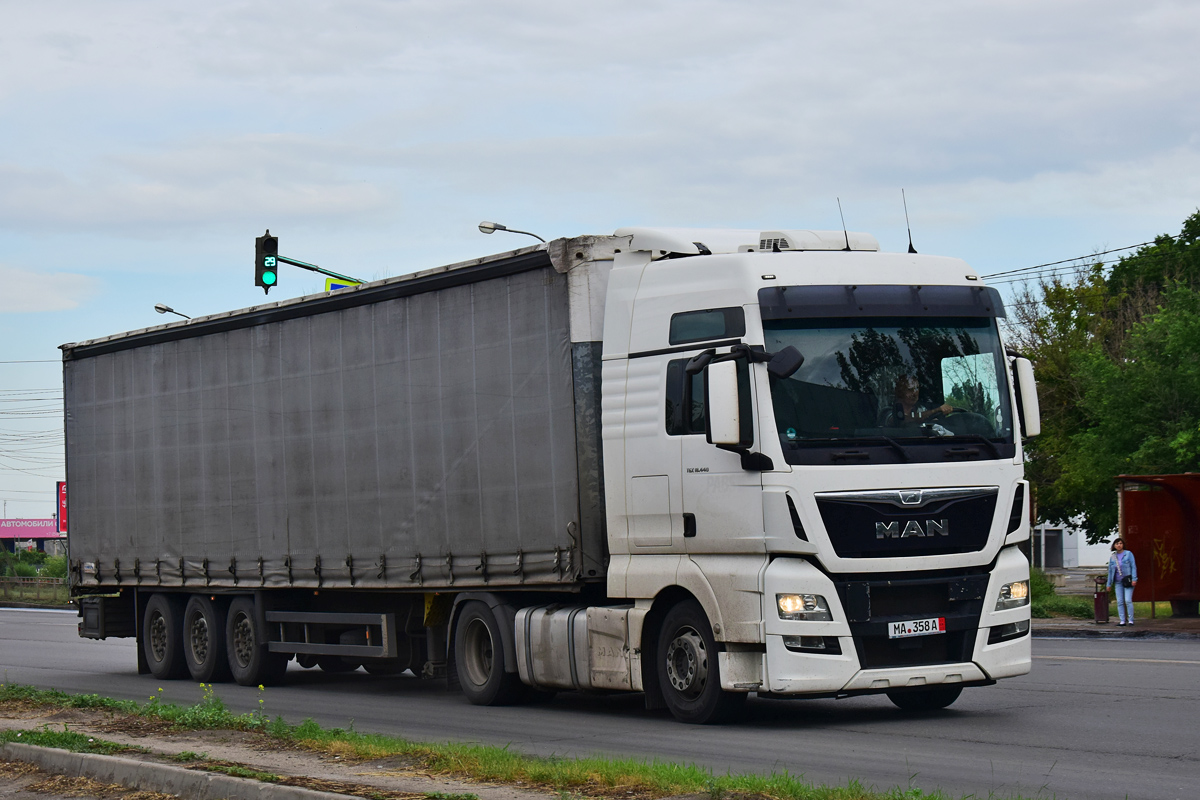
(1122, 576)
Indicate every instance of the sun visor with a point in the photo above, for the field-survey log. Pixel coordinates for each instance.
(803, 302)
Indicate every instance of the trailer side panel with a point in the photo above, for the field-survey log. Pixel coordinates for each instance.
(426, 440)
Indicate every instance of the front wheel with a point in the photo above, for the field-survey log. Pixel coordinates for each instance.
(925, 699)
(479, 656)
(250, 661)
(688, 671)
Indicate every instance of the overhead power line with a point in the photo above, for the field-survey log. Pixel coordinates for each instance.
(1070, 260)
(1059, 271)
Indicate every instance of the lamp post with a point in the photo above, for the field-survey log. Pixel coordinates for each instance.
(492, 227)
(162, 308)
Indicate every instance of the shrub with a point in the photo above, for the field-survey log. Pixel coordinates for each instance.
(55, 567)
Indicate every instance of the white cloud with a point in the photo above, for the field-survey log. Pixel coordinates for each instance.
(27, 291)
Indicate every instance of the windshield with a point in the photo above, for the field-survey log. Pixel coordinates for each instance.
(899, 379)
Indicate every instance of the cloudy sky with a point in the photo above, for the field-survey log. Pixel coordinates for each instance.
(144, 145)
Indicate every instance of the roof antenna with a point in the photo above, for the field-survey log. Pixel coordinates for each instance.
(904, 199)
(843, 216)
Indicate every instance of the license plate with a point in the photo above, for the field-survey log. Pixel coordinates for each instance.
(916, 627)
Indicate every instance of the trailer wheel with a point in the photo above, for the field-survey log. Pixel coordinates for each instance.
(925, 699)
(162, 637)
(251, 663)
(479, 655)
(687, 668)
(204, 639)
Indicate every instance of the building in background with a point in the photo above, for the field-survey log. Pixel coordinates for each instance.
(1059, 546)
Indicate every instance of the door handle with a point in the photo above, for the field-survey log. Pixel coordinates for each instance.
(689, 526)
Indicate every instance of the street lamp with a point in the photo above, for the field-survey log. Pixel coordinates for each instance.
(165, 309)
(492, 227)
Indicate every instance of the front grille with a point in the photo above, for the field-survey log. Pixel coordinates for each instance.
(883, 524)
(871, 605)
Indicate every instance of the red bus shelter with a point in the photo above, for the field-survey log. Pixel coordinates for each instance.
(1160, 523)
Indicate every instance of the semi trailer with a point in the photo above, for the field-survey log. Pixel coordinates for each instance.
(696, 464)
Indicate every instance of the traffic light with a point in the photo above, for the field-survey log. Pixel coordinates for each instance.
(266, 264)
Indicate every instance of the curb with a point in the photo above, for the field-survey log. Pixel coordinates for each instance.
(151, 777)
(1084, 633)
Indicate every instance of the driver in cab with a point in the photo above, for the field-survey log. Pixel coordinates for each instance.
(906, 410)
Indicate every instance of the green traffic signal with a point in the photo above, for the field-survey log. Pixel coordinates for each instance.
(266, 248)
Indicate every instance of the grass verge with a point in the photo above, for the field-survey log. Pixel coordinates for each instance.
(67, 740)
(629, 779)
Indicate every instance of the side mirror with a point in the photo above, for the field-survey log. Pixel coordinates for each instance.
(785, 363)
(1031, 412)
(721, 402)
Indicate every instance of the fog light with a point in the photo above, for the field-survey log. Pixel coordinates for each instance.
(1013, 630)
(1013, 595)
(803, 606)
(826, 645)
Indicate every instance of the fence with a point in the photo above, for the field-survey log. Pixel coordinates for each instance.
(34, 590)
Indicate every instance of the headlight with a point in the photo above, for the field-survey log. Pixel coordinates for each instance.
(803, 606)
(1013, 595)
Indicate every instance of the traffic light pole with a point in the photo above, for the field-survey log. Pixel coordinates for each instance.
(315, 268)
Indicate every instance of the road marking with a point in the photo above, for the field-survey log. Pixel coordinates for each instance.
(1132, 660)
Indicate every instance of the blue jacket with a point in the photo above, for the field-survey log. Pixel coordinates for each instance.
(1128, 566)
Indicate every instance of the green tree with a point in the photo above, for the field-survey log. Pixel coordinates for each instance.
(1118, 366)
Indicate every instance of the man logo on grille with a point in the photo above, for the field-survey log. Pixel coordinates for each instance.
(892, 530)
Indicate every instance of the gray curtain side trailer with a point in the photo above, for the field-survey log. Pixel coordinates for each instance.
(329, 477)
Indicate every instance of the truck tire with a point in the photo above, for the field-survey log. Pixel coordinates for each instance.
(204, 639)
(251, 663)
(479, 656)
(925, 699)
(162, 637)
(688, 671)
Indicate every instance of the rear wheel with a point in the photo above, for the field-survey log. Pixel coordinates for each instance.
(250, 661)
(479, 655)
(204, 639)
(925, 699)
(162, 637)
(688, 671)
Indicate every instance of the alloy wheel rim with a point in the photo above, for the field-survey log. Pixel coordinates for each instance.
(687, 663)
(478, 659)
(243, 640)
(198, 637)
(158, 636)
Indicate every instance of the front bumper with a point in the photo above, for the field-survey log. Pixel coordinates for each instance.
(859, 656)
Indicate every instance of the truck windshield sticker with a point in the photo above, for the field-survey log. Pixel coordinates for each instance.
(892, 381)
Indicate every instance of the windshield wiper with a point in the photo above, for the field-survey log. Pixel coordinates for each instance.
(978, 437)
(853, 440)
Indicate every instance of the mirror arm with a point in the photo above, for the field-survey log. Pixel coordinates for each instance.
(698, 362)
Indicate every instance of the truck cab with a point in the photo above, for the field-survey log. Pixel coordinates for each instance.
(848, 527)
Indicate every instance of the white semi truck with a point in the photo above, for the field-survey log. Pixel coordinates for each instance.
(691, 463)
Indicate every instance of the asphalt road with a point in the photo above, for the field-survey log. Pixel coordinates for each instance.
(1095, 719)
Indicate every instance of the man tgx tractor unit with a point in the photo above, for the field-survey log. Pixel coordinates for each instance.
(691, 463)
